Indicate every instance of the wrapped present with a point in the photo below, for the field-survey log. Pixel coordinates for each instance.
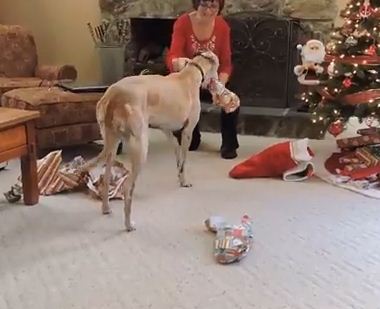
(223, 97)
(370, 156)
(363, 173)
(352, 167)
(95, 181)
(369, 131)
(349, 158)
(233, 242)
(358, 141)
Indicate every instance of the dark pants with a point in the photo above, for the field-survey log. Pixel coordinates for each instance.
(228, 127)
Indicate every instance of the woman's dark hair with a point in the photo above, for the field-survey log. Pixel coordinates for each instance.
(197, 2)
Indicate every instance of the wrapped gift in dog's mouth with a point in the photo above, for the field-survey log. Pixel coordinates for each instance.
(223, 97)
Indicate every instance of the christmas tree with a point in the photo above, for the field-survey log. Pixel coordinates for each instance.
(350, 82)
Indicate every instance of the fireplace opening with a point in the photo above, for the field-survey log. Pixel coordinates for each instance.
(151, 41)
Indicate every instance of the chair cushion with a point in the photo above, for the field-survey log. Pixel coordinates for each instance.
(18, 51)
(57, 107)
(9, 83)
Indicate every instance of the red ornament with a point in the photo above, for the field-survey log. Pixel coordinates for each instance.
(335, 128)
(372, 50)
(366, 10)
(347, 82)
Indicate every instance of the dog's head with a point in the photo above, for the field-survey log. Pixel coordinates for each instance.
(209, 63)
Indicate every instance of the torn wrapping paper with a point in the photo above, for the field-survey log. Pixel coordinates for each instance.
(55, 177)
(233, 242)
(95, 181)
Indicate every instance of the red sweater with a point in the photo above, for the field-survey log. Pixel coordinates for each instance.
(185, 44)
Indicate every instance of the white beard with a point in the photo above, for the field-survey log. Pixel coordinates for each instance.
(314, 56)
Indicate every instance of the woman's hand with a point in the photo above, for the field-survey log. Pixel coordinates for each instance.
(223, 78)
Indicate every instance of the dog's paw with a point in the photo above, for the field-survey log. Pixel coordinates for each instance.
(130, 227)
(186, 185)
(106, 210)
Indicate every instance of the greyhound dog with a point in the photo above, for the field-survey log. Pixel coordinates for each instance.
(130, 106)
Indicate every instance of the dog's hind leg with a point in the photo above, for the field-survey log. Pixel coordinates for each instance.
(110, 144)
(138, 151)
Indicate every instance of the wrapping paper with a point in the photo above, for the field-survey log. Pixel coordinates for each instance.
(55, 177)
(368, 156)
(233, 242)
(358, 141)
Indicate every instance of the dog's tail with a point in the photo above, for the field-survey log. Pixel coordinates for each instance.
(109, 137)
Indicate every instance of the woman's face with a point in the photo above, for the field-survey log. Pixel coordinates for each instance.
(208, 9)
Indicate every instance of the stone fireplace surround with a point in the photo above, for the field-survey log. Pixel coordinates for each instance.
(275, 26)
(318, 14)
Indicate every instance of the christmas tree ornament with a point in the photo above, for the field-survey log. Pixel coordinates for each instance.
(331, 70)
(366, 9)
(313, 55)
(351, 41)
(330, 47)
(372, 50)
(347, 82)
(336, 128)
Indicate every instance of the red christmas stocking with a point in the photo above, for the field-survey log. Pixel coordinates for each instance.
(289, 160)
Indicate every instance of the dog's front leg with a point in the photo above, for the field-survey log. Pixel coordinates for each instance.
(182, 156)
(185, 142)
(178, 139)
(175, 139)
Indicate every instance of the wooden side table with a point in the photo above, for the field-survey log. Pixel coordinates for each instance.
(17, 140)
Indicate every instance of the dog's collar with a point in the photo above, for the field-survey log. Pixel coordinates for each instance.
(199, 68)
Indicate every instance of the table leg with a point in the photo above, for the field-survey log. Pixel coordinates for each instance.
(29, 168)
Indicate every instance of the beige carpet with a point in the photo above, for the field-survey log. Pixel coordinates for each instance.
(316, 245)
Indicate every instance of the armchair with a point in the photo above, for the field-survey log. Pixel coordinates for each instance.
(19, 67)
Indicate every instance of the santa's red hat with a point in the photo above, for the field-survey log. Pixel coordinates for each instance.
(290, 160)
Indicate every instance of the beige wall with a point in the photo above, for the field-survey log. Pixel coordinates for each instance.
(60, 30)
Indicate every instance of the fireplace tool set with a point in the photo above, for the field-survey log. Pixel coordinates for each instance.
(110, 33)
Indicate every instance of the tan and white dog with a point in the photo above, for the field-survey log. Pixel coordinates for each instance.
(130, 106)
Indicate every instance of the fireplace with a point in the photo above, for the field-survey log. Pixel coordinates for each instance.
(150, 40)
(264, 54)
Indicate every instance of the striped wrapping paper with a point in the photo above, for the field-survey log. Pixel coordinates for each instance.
(368, 156)
(55, 177)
